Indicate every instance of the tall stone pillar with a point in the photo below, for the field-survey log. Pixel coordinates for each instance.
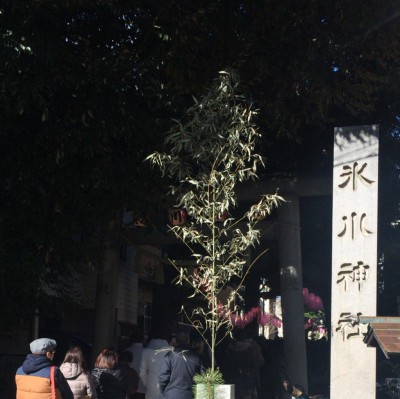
(291, 280)
(106, 292)
(354, 260)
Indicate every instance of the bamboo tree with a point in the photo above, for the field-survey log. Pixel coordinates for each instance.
(207, 155)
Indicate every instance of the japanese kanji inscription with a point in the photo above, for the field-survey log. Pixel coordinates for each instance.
(354, 259)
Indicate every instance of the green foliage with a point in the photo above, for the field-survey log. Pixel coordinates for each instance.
(87, 87)
(308, 65)
(209, 378)
(315, 325)
(72, 115)
(209, 154)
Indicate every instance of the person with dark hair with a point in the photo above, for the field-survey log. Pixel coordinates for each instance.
(178, 368)
(151, 362)
(125, 359)
(242, 360)
(34, 377)
(197, 344)
(136, 348)
(196, 341)
(110, 381)
(76, 373)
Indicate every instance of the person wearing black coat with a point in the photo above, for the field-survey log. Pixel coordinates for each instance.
(178, 368)
(111, 381)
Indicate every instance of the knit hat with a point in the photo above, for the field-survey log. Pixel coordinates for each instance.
(42, 345)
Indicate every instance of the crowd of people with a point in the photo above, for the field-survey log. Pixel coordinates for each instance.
(163, 367)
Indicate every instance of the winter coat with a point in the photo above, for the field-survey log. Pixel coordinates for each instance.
(110, 383)
(78, 380)
(150, 366)
(242, 363)
(137, 351)
(177, 372)
(133, 379)
(33, 379)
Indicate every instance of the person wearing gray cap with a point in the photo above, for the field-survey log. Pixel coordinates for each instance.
(33, 378)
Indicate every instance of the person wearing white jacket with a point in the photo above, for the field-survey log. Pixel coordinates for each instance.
(136, 348)
(74, 371)
(152, 359)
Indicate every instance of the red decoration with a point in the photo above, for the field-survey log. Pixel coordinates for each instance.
(243, 319)
(177, 217)
(312, 301)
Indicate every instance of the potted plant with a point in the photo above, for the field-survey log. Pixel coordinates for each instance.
(207, 155)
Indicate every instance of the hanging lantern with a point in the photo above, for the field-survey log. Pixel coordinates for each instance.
(177, 217)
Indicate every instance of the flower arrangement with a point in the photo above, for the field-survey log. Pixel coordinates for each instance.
(314, 317)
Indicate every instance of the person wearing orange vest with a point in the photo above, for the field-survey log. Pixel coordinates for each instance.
(33, 377)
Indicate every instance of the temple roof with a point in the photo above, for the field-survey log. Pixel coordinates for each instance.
(383, 332)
